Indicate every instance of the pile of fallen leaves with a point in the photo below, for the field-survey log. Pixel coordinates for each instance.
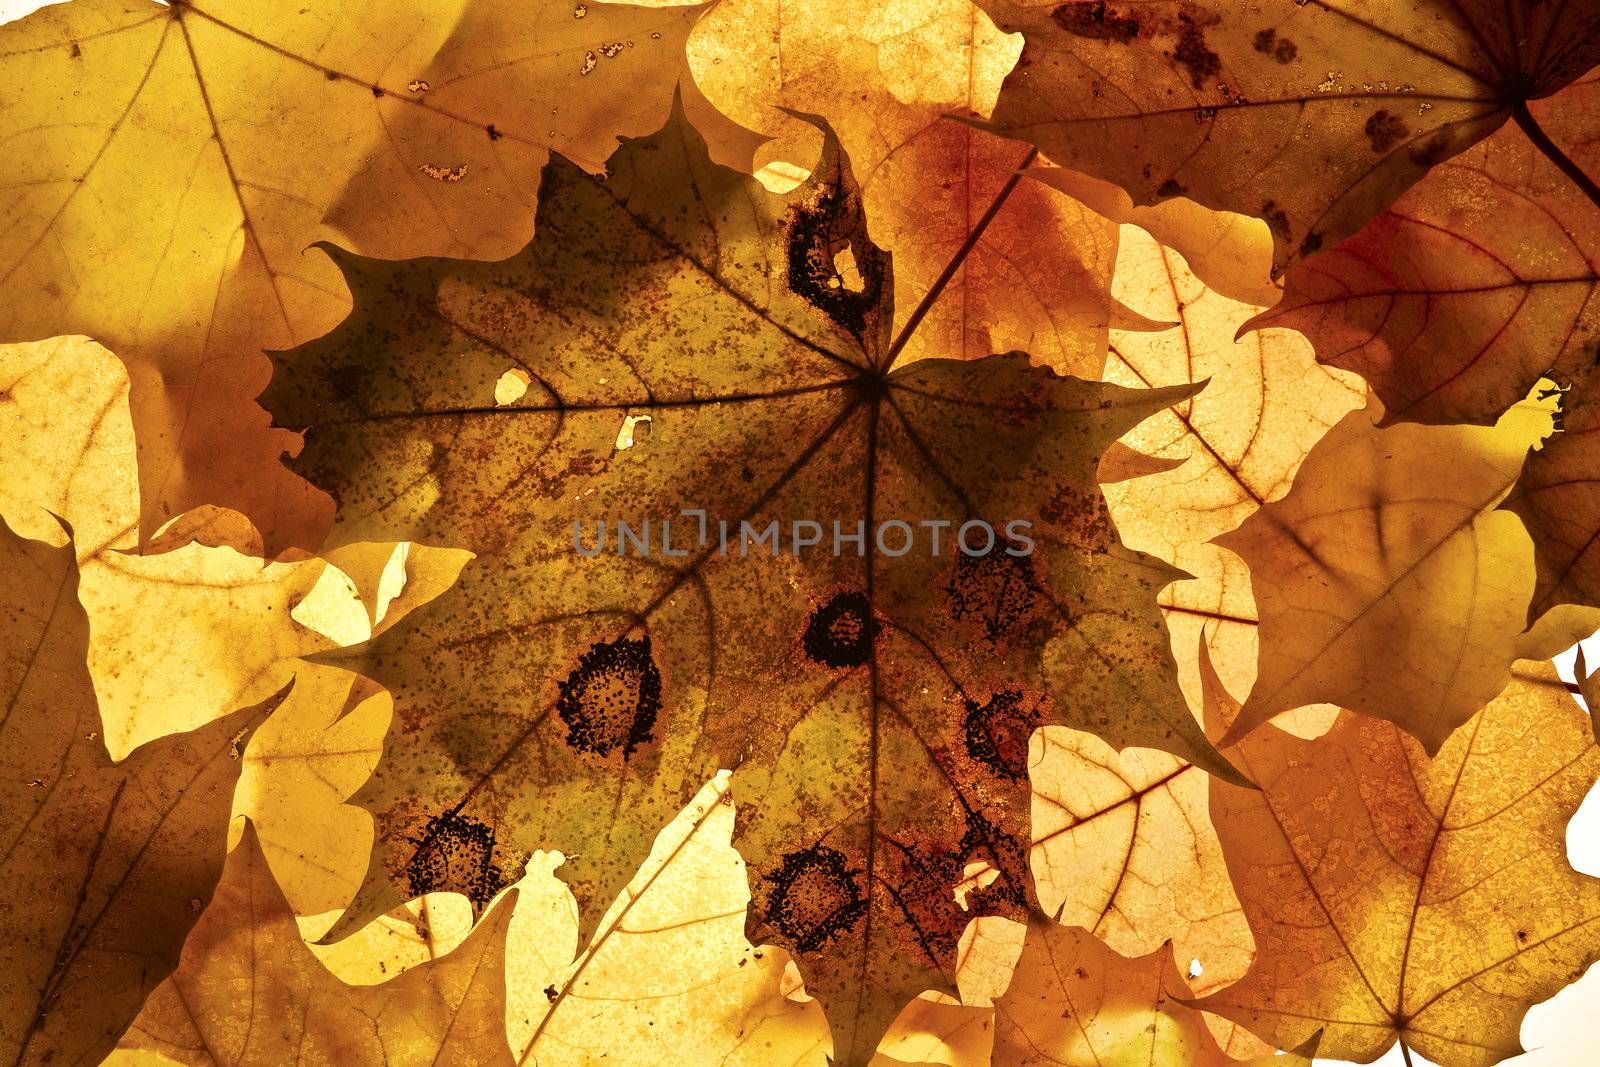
(329, 327)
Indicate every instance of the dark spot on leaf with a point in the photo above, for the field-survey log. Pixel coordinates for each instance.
(815, 898)
(1170, 187)
(1268, 43)
(74, 51)
(330, 75)
(1312, 243)
(551, 993)
(997, 590)
(1277, 219)
(1080, 516)
(611, 698)
(1522, 937)
(841, 632)
(820, 230)
(1006, 853)
(1096, 21)
(1385, 130)
(1081, 973)
(456, 855)
(997, 733)
(494, 134)
(1432, 151)
(1193, 52)
(377, 92)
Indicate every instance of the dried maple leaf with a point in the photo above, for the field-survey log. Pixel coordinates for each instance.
(938, 1028)
(176, 639)
(672, 946)
(1230, 253)
(1240, 440)
(171, 164)
(1312, 116)
(106, 865)
(1031, 267)
(1075, 1003)
(180, 638)
(754, 331)
(1476, 283)
(1397, 897)
(1389, 552)
(248, 990)
(305, 762)
(1123, 846)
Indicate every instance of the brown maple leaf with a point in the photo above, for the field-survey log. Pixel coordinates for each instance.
(1475, 284)
(1031, 268)
(1123, 847)
(176, 638)
(1396, 897)
(248, 990)
(104, 863)
(1390, 549)
(1236, 444)
(1313, 116)
(171, 164)
(1075, 1003)
(876, 707)
(672, 946)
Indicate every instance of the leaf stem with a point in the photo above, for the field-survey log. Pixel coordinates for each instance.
(1405, 1053)
(1552, 151)
(956, 260)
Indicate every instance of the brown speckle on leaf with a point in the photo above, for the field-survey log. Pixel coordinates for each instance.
(1277, 219)
(1268, 43)
(1097, 21)
(1385, 130)
(997, 590)
(456, 854)
(997, 733)
(1192, 51)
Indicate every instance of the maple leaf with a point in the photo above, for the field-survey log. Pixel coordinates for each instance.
(1236, 445)
(673, 945)
(1122, 843)
(106, 865)
(1074, 1002)
(1123, 846)
(180, 638)
(1397, 897)
(248, 990)
(1230, 253)
(173, 163)
(176, 639)
(683, 291)
(1312, 116)
(1390, 548)
(958, 1030)
(1455, 301)
(1031, 268)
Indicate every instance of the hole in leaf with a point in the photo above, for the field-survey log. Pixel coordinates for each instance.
(635, 428)
(511, 387)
